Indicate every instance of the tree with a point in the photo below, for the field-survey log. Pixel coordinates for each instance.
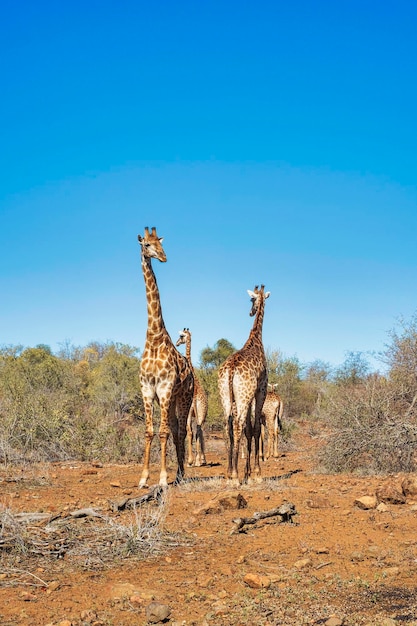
(353, 370)
(210, 361)
(212, 358)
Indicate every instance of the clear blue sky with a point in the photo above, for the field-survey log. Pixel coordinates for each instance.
(268, 142)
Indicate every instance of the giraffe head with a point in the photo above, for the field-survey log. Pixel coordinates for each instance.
(151, 245)
(257, 296)
(184, 334)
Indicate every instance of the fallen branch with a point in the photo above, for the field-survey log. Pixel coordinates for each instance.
(155, 493)
(285, 513)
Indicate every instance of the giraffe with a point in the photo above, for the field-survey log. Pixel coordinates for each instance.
(165, 374)
(199, 407)
(272, 412)
(243, 378)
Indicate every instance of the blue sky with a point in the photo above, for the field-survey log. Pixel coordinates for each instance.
(268, 142)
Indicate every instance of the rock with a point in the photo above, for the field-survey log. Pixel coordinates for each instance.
(257, 581)
(366, 502)
(122, 590)
(115, 483)
(334, 621)
(222, 501)
(302, 563)
(382, 507)
(391, 571)
(389, 492)
(318, 502)
(156, 612)
(26, 596)
(409, 485)
(88, 616)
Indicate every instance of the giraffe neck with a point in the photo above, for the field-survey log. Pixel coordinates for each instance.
(155, 320)
(188, 350)
(256, 332)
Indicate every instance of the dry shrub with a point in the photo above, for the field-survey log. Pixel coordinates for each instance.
(93, 541)
(371, 429)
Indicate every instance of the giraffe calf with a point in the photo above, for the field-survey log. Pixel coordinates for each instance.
(272, 412)
(198, 410)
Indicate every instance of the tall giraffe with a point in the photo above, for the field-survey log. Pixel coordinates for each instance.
(199, 408)
(165, 374)
(272, 412)
(242, 379)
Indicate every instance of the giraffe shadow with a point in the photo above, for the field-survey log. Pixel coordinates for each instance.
(284, 476)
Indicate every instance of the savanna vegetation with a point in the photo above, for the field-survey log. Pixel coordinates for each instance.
(86, 403)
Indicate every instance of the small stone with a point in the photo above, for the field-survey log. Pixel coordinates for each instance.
(222, 501)
(28, 597)
(382, 507)
(333, 621)
(156, 612)
(122, 590)
(302, 563)
(136, 599)
(115, 483)
(257, 581)
(318, 502)
(391, 571)
(366, 502)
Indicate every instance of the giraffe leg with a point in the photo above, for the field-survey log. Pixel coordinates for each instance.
(178, 423)
(249, 434)
(270, 438)
(149, 433)
(263, 444)
(237, 436)
(256, 436)
(200, 416)
(190, 461)
(275, 449)
(229, 437)
(163, 438)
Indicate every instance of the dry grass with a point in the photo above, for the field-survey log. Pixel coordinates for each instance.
(95, 540)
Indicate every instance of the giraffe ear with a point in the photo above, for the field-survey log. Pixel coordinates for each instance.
(267, 294)
(252, 294)
(140, 238)
(161, 239)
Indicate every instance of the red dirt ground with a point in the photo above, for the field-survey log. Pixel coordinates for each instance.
(336, 561)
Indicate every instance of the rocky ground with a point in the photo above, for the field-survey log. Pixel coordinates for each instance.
(73, 552)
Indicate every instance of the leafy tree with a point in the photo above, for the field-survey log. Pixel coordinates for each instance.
(210, 361)
(353, 370)
(212, 358)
